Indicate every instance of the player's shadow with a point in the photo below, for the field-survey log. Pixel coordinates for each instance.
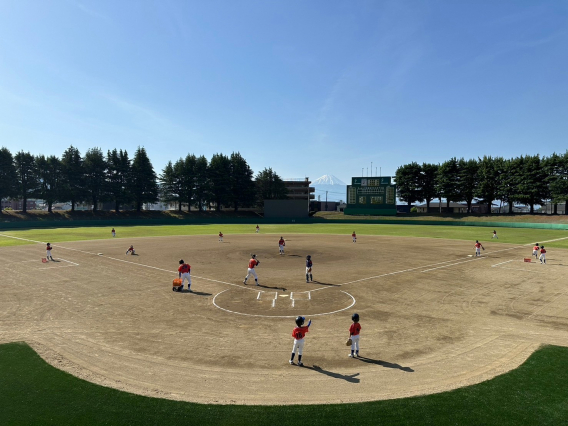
(197, 293)
(385, 364)
(351, 378)
(294, 255)
(274, 288)
(329, 284)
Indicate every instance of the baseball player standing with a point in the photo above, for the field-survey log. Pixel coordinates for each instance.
(113, 233)
(536, 248)
(354, 236)
(298, 334)
(478, 246)
(220, 237)
(251, 265)
(542, 257)
(281, 244)
(48, 252)
(309, 265)
(257, 229)
(184, 271)
(494, 234)
(354, 334)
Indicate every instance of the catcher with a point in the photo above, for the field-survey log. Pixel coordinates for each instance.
(309, 264)
(354, 333)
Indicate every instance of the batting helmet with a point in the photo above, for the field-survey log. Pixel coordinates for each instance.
(181, 262)
(253, 255)
(308, 257)
(355, 317)
(300, 321)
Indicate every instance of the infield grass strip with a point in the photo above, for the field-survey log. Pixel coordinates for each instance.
(469, 234)
(33, 392)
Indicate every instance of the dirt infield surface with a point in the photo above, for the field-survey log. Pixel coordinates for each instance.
(433, 318)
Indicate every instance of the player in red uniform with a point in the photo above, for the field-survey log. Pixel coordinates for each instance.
(184, 274)
(494, 234)
(257, 229)
(542, 255)
(252, 263)
(281, 244)
(130, 250)
(48, 252)
(113, 232)
(298, 334)
(536, 248)
(478, 246)
(354, 333)
(354, 236)
(309, 265)
(220, 237)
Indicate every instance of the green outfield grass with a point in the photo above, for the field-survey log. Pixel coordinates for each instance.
(33, 392)
(466, 233)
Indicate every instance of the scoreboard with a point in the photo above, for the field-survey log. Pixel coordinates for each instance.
(371, 196)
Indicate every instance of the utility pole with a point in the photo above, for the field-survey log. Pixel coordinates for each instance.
(325, 200)
(371, 169)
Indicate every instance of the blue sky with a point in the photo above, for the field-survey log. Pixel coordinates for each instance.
(305, 87)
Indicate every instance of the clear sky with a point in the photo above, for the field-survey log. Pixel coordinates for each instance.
(305, 87)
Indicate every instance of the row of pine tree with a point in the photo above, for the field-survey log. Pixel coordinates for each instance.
(115, 177)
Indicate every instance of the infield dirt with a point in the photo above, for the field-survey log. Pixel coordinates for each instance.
(432, 318)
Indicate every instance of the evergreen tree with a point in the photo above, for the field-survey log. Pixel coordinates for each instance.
(8, 176)
(447, 182)
(26, 177)
(117, 177)
(49, 173)
(468, 172)
(508, 183)
(242, 186)
(73, 182)
(143, 183)
(219, 176)
(94, 166)
(269, 186)
(186, 170)
(170, 185)
(427, 183)
(556, 169)
(408, 183)
(490, 172)
(202, 184)
(532, 188)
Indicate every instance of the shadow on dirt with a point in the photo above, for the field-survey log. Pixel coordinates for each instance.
(352, 378)
(385, 364)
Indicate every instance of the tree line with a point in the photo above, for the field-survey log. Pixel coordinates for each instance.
(116, 178)
(528, 180)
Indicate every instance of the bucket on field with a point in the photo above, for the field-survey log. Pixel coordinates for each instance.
(177, 282)
(528, 259)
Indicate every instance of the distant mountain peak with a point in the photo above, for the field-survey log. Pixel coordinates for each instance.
(327, 180)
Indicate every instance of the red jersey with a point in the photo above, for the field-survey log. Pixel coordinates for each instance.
(48, 248)
(299, 332)
(355, 329)
(281, 242)
(353, 235)
(220, 234)
(253, 263)
(477, 245)
(542, 251)
(535, 248)
(185, 268)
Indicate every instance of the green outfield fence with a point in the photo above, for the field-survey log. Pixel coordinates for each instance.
(260, 221)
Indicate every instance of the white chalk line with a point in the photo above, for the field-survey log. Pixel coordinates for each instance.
(281, 316)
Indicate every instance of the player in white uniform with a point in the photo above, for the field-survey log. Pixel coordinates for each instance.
(252, 263)
(281, 244)
(48, 252)
(309, 265)
(354, 236)
(257, 229)
(220, 237)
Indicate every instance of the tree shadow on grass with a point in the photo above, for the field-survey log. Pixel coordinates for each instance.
(351, 378)
(385, 364)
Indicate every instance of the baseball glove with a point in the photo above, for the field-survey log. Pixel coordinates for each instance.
(483, 248)
(348, 342)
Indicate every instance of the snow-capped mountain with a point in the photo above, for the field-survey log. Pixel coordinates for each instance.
(336, 189)
(328, 180)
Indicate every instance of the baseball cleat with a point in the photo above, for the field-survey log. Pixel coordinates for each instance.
(245, 282)
(291, 362)
(351, 356)
(300, 364)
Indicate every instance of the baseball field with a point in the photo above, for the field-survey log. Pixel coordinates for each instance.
(434, 318)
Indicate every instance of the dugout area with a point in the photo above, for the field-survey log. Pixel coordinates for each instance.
(433, 318)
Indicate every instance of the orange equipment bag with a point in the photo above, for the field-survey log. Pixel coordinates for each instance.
(528, 259)
(177, 282)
